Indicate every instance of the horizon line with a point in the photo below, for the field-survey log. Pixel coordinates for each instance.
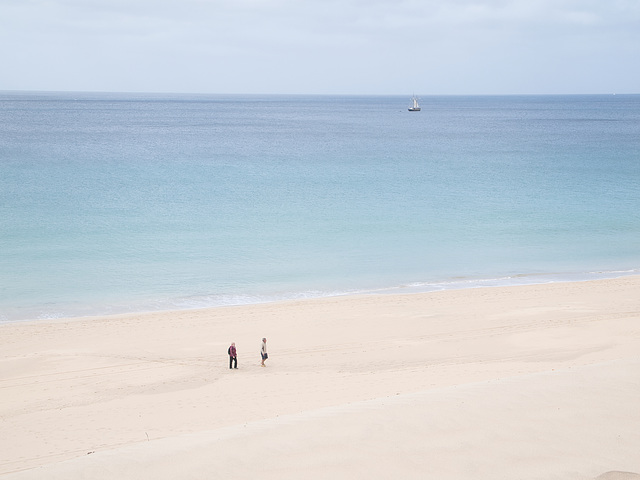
(263, 94)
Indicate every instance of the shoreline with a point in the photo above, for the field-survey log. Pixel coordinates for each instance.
(224, 300)
(489, 374)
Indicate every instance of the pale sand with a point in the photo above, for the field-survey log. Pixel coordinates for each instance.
(535, 382)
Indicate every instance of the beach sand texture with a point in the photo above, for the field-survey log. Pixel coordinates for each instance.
(531, 382)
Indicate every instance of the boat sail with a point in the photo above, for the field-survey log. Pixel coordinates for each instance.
(415, 107)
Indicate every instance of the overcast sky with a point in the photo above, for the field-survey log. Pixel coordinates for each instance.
(429, 47)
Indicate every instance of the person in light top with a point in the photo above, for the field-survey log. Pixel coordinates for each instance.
(263, 351)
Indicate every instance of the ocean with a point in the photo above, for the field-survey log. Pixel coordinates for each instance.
(113, 203)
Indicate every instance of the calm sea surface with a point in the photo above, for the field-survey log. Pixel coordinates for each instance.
(113, 203)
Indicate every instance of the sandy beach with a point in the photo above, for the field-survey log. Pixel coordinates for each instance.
(530, 382)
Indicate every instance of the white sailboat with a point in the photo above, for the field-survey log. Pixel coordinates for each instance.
(415, 107)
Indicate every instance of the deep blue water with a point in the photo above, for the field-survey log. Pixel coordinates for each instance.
(112, 202)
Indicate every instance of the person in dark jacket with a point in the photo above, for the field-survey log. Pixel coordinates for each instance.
(233, 356)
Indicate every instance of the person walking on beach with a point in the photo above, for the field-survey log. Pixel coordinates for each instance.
(233, 355)
(263, 351)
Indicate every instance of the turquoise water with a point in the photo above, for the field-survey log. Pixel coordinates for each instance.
(113, 203)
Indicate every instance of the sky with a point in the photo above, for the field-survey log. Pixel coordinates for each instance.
(361, 47)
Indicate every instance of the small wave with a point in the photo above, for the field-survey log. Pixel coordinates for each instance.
(460, 283)
(221, 300)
